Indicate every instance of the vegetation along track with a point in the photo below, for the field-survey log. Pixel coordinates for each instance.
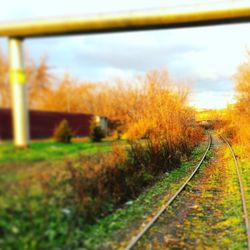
(134, 240)
(243, 199)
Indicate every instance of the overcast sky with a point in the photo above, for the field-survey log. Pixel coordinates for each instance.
(207, 56)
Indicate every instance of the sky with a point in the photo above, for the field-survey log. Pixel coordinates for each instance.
(208, 57)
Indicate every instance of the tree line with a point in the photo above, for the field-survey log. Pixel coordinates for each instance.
(146, 105)
(238, 114)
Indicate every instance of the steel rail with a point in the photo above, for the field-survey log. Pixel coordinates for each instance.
(242, 193)
(164, 18)
(135, 239)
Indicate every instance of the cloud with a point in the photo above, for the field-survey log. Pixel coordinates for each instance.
(133, 56)
(211, 99)
(218, 85)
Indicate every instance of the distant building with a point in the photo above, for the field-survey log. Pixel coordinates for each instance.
(102, 122)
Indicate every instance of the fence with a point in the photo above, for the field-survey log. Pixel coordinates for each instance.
(42, 123)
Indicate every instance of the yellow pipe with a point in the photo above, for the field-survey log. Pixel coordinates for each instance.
(186, 17)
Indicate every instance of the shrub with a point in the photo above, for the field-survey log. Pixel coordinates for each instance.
(98, 184)
(96, 132)
(118, 134)
(194, 135)
(101, 183)
(63, 132)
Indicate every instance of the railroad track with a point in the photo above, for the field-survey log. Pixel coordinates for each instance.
(135, 239)
(242, 193)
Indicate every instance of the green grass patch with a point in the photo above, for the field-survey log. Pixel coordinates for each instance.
(50, 150)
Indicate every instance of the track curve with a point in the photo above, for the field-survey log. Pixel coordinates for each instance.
(135, 239)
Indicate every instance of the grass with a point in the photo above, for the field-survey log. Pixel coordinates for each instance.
(32, 221)
(49, 150)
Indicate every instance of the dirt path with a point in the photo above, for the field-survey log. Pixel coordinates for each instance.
(207, 215)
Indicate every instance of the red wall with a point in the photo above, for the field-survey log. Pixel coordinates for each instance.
(42, 123)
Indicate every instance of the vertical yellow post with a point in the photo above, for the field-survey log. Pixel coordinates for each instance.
(19, 93)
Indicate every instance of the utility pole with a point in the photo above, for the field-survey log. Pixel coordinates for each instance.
(19, 91)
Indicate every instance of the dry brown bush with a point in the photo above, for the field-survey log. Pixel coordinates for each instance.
(237, 125)
(194, 135)
(164, 118)
(97, 182)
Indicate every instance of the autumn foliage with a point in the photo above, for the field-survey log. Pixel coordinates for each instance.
(241, 113)
(237, 121)
(151, 106)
